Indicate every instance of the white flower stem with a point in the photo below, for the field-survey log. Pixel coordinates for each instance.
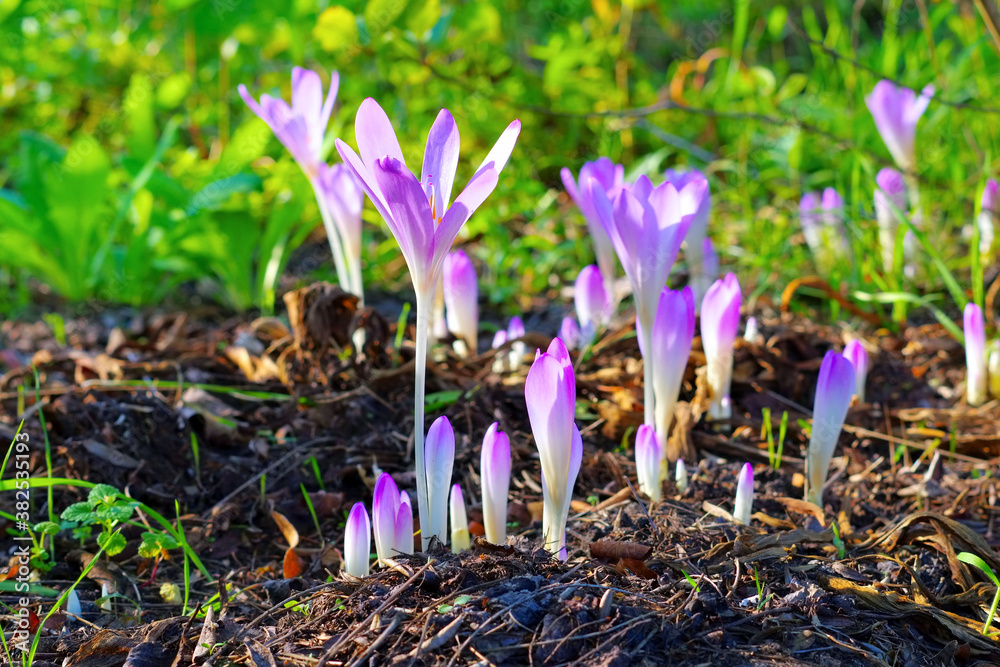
(424, 301)
(648, 395)
(336, 247)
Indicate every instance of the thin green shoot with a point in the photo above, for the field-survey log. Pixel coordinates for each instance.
(404, 315)
(6, 458)
(838, 541)
(48, 450)
(972, 559)
(263, 491)
(196, 453)
(690, 580)
(761, 586)
(182, 540)
(314, 464)
(312, 512)
(774, 450)
(626, 438)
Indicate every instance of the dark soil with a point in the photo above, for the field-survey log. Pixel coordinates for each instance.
(227, 423)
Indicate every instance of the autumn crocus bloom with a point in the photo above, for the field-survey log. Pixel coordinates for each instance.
(440, 462)
(647, 226)
(550, 394)
(422, 221)
(592, 304)
(856, 354)
(989, 205)
(461, 299)
(569, 331)
(700, 277)
(896, 111)
(300, 128)
(460, 538)
(610, 177)
(751, 332)
(975, 355)
(890, 205)
(648, 455)
(743, 507)
(833, 397)
(720, 322)
(357, 541)
(494, 470)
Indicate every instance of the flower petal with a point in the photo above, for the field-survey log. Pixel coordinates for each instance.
(414, 229)
(375, 136)
(500, 153)
(441, 161)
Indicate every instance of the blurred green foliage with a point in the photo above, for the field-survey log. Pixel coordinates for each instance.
(129, 166)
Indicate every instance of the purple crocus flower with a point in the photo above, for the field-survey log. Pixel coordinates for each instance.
(673, 331)
(569, 331)
(720, 323)
(344, 200)
(592, 304)
(890, 203)
(975, 355)
(499, 338)
(301, 126)
(461, 298)
(743, 506)
(896, 111)
(611, 178)
(494, 470)
(357, 541)
(858, 356)
(460, 538)
(404, 524)
(422, 221)
(385, 511)
(694, 243)
(648, 457)
(550, 394)
(989, 205)
(439, 461)
(834, 390)
(647, 226)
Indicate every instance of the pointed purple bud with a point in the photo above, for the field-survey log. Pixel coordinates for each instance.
(460, 538)
(743, 506)
(990, 200)
(592, 304)
(499, 338)
(461, 299)
(357, 541)
(569, 331)
(989, 212)
(648, 455)
(975, 356)
(720, 323)
(404, 525)
(439, 461)
(896, 111)
(673, 332)
(550, 394)
(385, 508)
(834, 390)
(855, 352)
(494, 470)
(751, 332)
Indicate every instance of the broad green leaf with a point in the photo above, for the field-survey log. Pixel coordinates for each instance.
(113, 543)
(102, 493)
(78, 512)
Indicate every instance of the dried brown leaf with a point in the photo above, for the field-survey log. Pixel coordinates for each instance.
(287, 529)
(616, 550)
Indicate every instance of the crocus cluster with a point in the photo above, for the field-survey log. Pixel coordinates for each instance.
(720, 322)
(515, 355)
(890, 206)
(424, 221)
(301, 128)
(989, 212)
(461, 300)
(858, 356)
(834, 390)
(610, 178)
(550, 395)
(392, 518)
(976, 377)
